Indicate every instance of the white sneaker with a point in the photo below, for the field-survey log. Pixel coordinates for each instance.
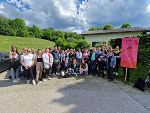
(49, 78)
(15, 81)
(76, 75)
(33, 82)
(28, 81)
(116, 73)
(44, 80)
(18, 79)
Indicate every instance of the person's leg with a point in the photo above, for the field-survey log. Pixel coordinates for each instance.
(31, 75)
(37, 71)
(102, 73)
(17, 73)
(94, 68)
(111, 74)
(41, 71)
(12, 74)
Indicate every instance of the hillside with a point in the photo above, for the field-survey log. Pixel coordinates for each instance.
(7, 41)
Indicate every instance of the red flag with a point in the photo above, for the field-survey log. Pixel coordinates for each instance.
(129, 52)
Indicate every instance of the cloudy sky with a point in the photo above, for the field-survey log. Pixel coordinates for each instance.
(78, 15)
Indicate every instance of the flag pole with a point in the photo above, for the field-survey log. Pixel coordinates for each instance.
(126, 75)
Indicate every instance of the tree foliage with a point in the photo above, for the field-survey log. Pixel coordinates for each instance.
(126, 25)
(17, 27)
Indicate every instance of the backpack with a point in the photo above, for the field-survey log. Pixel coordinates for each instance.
(140, 84)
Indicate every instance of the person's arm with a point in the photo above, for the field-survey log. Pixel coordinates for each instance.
(51, 60)
(22, 62)
(10, 55)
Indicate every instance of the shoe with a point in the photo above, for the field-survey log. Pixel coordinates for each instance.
(33, 82)
(18, 79)
(49, 78)
(116, 73)
(15, 81)
(76, 75)
(28, 81)
(57, 73)
(44, 80)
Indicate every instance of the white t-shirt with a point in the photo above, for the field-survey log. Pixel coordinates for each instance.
(27, 59)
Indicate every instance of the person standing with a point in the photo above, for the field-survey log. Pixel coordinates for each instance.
(27, 61)
(48, 62)
(39, 65)
(78, 57)
(111, 65)
(15, 64)
(93, 61)
(117, 55)
(56, 58)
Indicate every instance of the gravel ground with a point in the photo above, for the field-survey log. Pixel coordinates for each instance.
(72, 95)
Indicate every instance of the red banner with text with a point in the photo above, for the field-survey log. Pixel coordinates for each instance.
(129, 51)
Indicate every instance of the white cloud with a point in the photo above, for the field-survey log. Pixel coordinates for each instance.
(1, 6)
(148, 9)
(63, 14)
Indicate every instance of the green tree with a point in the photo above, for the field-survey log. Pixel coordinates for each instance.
(19, 28)
(47, 34)
(95, 28)
(81, 44)
(5, 28)
(126, 25)
(108, 27)
(35, 31)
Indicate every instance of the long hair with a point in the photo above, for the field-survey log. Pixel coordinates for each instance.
(13, 46)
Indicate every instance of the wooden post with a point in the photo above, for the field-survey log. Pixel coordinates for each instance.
(126, 74)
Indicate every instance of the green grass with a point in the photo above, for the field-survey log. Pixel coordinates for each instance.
(140, 72)
(7, 41)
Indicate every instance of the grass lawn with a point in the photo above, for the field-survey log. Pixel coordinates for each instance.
(140, 72)
(7, 41)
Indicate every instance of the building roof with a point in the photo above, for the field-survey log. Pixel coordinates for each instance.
(120, 30)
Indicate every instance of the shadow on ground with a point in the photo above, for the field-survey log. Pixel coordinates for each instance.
(97, 95)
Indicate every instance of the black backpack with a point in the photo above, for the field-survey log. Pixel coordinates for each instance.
(140, 84)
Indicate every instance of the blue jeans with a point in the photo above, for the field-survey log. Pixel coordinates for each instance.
(15, 73)
(93, 67)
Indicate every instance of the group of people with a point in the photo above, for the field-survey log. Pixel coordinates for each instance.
(42, 64)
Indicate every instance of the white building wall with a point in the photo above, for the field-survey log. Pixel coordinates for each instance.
(107, 37)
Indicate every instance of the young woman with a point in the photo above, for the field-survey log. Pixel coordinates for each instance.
(48, 62)
(15, 64)
(39, 65)
(74, 67)
(65, 68)
(117, 55)
(83, 68)
(27, 61)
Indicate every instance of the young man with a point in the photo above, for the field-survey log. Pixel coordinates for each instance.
(111, 65)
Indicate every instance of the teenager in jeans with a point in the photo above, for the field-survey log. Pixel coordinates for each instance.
(93, 61)
(117, 55)
(111, 65)
(39, 65)
(15, 64)
(27, 61)
(56, 58)
(48, 62)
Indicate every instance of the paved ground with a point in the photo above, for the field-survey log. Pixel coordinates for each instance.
(72, 95)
